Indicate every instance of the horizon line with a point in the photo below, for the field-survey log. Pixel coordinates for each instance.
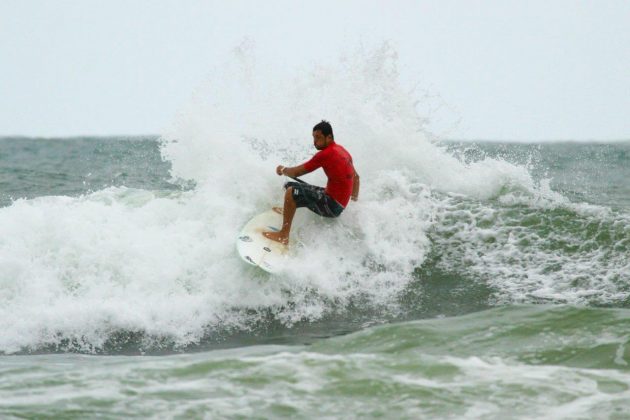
(469, 140)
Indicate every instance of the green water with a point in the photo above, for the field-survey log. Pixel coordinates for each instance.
(517, 362)
(517, 308)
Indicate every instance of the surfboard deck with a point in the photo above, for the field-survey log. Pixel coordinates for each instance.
(259, 251)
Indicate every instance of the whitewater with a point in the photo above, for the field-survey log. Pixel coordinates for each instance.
(118, 263)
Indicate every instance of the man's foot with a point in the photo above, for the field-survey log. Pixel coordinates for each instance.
(278, 210)
(277, 236)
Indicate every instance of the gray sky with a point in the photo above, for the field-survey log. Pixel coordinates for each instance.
(522, 70)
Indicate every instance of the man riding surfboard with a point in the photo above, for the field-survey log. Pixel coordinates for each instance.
(343, 182)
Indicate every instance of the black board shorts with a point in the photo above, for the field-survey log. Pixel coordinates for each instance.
(315, 199)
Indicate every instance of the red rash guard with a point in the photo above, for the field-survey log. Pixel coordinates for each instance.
(337, 164)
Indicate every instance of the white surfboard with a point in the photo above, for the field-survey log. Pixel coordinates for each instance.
(259, 251)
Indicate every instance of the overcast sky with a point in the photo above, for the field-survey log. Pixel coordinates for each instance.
(512, 70)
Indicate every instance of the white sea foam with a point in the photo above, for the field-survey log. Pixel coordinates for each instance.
(122, 259)
(537, 249)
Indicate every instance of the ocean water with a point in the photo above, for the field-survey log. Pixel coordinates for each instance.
(471, 280)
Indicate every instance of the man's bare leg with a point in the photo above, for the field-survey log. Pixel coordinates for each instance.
(288, 212)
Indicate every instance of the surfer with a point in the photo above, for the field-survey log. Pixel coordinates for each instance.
(342, 185)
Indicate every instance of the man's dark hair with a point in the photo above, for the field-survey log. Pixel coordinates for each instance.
(325, 128)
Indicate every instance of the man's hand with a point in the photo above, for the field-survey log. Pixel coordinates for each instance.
(356, 184)
(292, 172)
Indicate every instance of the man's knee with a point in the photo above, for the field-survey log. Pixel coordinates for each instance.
(288, 194)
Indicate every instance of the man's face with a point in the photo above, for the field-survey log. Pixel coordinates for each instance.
(319, 140)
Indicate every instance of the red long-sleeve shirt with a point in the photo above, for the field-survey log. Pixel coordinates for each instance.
(337, 164)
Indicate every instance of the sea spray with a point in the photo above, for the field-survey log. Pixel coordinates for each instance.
(124, 269)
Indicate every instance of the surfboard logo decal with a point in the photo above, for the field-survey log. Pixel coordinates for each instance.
(245, 238)
(273, 228)
(248, 258)
(267, 249)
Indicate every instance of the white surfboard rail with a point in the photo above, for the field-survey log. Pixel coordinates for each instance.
(259, 251)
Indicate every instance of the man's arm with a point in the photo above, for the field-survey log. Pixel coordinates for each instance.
(293, 172)
(356, 183)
